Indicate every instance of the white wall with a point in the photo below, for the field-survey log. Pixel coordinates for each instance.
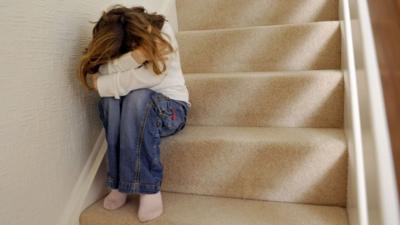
(48, 123)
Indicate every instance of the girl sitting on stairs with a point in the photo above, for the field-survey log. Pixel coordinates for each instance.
(133, 63)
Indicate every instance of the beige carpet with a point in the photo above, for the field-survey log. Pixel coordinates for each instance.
(182, 209)
(264, 143)
(210, 14)
(313, 46)
(278, 164)
(274, 99)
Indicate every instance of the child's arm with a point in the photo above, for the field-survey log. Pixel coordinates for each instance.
(122, 63)
(121, 75)
(123, 81)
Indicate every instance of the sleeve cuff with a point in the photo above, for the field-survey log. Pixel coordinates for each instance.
(126, 62)
(106, 86)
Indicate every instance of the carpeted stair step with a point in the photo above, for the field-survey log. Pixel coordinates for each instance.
(183, 209)
(311, 46)
(211, 14)
(275, 99)
(302, 165)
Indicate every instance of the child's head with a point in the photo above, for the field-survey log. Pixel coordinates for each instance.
(120, 30)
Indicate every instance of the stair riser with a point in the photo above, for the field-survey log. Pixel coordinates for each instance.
(303, 99)
(305, 172)
(195, 14)
(302, 47)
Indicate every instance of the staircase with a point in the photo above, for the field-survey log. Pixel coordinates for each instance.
(264, 142)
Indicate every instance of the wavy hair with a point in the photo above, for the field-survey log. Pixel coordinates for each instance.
(120, 30)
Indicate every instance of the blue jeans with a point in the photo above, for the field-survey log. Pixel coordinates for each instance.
(134, 126)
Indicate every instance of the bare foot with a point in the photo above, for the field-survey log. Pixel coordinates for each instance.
(114, 199)
(150, 206)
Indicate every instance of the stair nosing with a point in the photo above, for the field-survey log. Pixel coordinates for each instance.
(252, 199)
(339, 132)
(325, 211)
(259, 73)
(181, 32)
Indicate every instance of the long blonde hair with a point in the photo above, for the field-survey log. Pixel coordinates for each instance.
(120, 30)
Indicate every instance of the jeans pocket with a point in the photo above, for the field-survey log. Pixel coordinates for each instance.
(166, 110)
(171, 114)
(162, 105)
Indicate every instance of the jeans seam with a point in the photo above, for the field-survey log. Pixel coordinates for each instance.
(141, 139)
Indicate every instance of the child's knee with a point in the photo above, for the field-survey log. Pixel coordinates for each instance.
(107, 102)
(138, 96)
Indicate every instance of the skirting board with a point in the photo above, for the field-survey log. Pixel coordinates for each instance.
(372, 194)
(356, 198)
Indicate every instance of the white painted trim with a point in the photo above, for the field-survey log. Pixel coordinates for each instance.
(169, 11)
(376, 197)
(73, 207)
(166, 6)
(81, 188)
(387, 200)
(356, 203)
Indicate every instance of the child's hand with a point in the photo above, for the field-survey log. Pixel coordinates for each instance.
(138, 55)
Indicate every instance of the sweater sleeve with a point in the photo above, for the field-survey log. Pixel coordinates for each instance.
(121, 75)
(123, 81)
(122, 63)
(125, 61)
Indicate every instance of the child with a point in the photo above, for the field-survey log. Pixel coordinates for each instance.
(133, 63)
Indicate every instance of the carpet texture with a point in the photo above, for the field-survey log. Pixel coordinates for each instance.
(182, 209)
(275, 99)
(211, 14)
(312, 46)
(279, 164)
(264, 142)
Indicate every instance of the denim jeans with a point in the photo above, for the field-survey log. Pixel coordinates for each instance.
(134, 126)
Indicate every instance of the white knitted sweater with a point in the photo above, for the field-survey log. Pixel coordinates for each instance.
(121, 75)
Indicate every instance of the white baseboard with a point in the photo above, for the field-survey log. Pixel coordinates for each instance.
(74, 205)
(356, 197)
(372, 194)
